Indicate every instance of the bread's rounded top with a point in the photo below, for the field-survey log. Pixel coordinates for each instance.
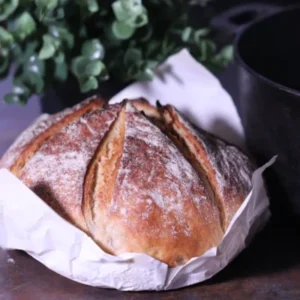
(134, 177)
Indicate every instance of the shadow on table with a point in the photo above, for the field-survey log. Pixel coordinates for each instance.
(275, 249)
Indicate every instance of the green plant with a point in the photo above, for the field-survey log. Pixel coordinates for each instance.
(50, 40)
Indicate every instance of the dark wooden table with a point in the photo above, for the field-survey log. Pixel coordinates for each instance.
(268, 269)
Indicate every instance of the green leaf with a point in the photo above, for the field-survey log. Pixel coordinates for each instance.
(32, 81)
(199, 34)
(60, 58)
(223, 58)
(92, 5)
(7, 7)
(61, 71)
(135, 7)
(152, 48)
(50, 45)
(78, 64)
(137, 21)
(60, 14)
(146, 70)
(93, 49)
(44, 7)
(87, 8)
(47, 51)
(4, 51)
(51, 16)
(4, 63)
(46, 4)
(95, 68)
(167, 46)
(132, 56)
(131, 72)
(103, 75)
(12, 98)
(88, 84)
(83, 33)
(207, 49)
(227, 52)
(130, 12)
(64, 2)
(120, 12)
(62, 34)
(186, 34)
(146, 75)
(24, 25)
(85, 67)
(124, 9)
(6, 38)
(20, 89)
(16, 52)
(140, 21)
(122, 31)
(22, 55)
(152, 64)
(20, 93)
(34, 64)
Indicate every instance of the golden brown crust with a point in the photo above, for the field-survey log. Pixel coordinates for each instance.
(56, 172)
(227, 169)
(101, 176)
(144, 106)
(34, 145)
(45, 129)
(159, 205)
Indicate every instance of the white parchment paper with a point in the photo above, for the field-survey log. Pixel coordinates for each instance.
(27, 223)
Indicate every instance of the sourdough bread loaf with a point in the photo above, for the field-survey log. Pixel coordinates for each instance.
(134, 177)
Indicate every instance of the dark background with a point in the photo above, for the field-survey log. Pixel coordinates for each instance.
(221, 5)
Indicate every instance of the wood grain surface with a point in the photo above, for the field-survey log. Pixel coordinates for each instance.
(268, 269)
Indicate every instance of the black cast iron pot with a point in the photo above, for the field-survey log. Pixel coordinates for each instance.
(267, 56)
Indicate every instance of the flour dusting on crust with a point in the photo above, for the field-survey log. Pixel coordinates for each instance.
(41, 124)
(153, 177)
(57, 171)
(233, 168)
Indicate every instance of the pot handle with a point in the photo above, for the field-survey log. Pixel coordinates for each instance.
(232, 21)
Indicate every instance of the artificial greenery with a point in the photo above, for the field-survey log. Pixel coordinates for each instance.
(94, 40)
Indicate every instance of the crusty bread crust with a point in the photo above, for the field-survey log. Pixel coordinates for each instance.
(135, 177)
(153, 201)
(43, 128)
(225, 168)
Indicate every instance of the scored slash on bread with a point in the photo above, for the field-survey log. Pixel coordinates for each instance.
(59, 121)
(56, 172)
(225, 170)
(101, 175)
(142, 196)
(134, 177)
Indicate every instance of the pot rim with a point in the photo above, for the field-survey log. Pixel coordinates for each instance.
(240, 61)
